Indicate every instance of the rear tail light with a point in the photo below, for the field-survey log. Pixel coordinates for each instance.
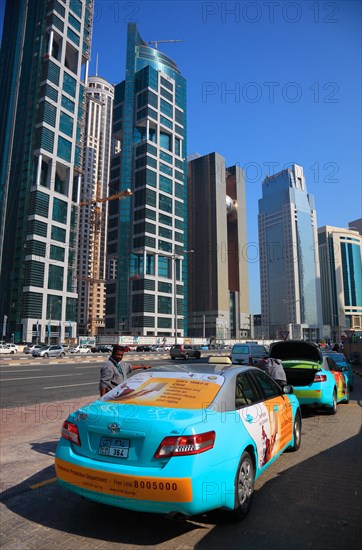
(70, 432)
(185, 445)
(320, 378)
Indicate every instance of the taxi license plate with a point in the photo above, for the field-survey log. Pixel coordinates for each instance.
(117, 448)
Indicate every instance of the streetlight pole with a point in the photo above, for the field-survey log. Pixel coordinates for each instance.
(174, 257)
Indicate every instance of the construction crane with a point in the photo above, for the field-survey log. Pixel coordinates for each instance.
(96, 224)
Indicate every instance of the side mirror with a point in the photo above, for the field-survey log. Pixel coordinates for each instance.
(288, 389)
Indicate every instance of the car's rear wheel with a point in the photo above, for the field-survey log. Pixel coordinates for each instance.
(198, 355)
(297, 433)
(333, 408)
(46, 354)
(244, 487)
(186, 356)
(62, 354)
(173, 357)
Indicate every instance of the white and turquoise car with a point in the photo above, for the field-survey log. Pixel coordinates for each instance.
(184, 440)
(317, 380)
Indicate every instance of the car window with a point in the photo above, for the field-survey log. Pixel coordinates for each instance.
(240, 349)
(245, 393)
(268, 386)
(332, 365)
(258, 350)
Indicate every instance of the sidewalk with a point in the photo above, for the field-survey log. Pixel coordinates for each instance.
(32, 431)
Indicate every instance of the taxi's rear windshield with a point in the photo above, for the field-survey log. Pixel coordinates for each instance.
(168, 389)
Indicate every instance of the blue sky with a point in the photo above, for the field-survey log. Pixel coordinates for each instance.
(269, 83)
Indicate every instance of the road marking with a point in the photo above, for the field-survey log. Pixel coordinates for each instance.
(42, 483)
(87, 367)
(27, 370)
(34, 377)
(70, 385)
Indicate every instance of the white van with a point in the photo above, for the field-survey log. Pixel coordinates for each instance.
(248, 353)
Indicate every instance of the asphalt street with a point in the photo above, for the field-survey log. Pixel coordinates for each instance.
(26, 380)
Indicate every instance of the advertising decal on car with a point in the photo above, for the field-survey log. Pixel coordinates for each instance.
(180, 391)
(138, 487)
(270, 426)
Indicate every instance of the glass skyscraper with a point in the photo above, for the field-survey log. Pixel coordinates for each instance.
(147, 270)
(340, 252)
(44, 51)
(93, 227)
(289, 265)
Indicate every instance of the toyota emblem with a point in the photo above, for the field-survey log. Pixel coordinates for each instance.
(114, 427)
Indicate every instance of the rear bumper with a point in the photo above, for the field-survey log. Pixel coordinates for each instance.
(316, 398)
(173, 488)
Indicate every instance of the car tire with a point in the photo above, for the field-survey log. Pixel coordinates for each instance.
(297, 433)
(62, 354)
(244, 487)
(186, 356)
(198, 355)
(173, 358)
(333, 409)
(46, 355)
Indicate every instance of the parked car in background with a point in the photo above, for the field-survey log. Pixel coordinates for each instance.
(14, 347)
(49, 351)
(4, 348)
(30, 347)
(217, 431)
(143, 348)
(315, 377)
(126, 348)
(343, 364)
(157, 348)
(102, 348)
(248, 353)
(184, 351)
(80, 349)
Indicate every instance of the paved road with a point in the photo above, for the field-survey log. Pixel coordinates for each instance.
(25, 380)
(309, 499)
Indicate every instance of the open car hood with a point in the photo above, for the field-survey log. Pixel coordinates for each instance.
(295, 349)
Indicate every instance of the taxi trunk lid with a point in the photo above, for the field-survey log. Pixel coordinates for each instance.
(128, 434)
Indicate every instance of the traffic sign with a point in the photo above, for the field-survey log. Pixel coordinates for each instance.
(349, 334)
(284, 334)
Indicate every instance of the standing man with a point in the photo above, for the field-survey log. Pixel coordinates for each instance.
(275, 369)
(115, 370)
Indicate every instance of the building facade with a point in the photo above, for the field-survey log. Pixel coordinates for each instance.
(218, 269)
(44, 52)
(289, 264)
(147, 264)
(340, 253)
(93, 216)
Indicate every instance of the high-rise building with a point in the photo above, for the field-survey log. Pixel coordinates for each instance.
(289, 264)
(356, 225)
(93, 225)
(218, 269)
(340, 253)
(147, 267)
(44, 51)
